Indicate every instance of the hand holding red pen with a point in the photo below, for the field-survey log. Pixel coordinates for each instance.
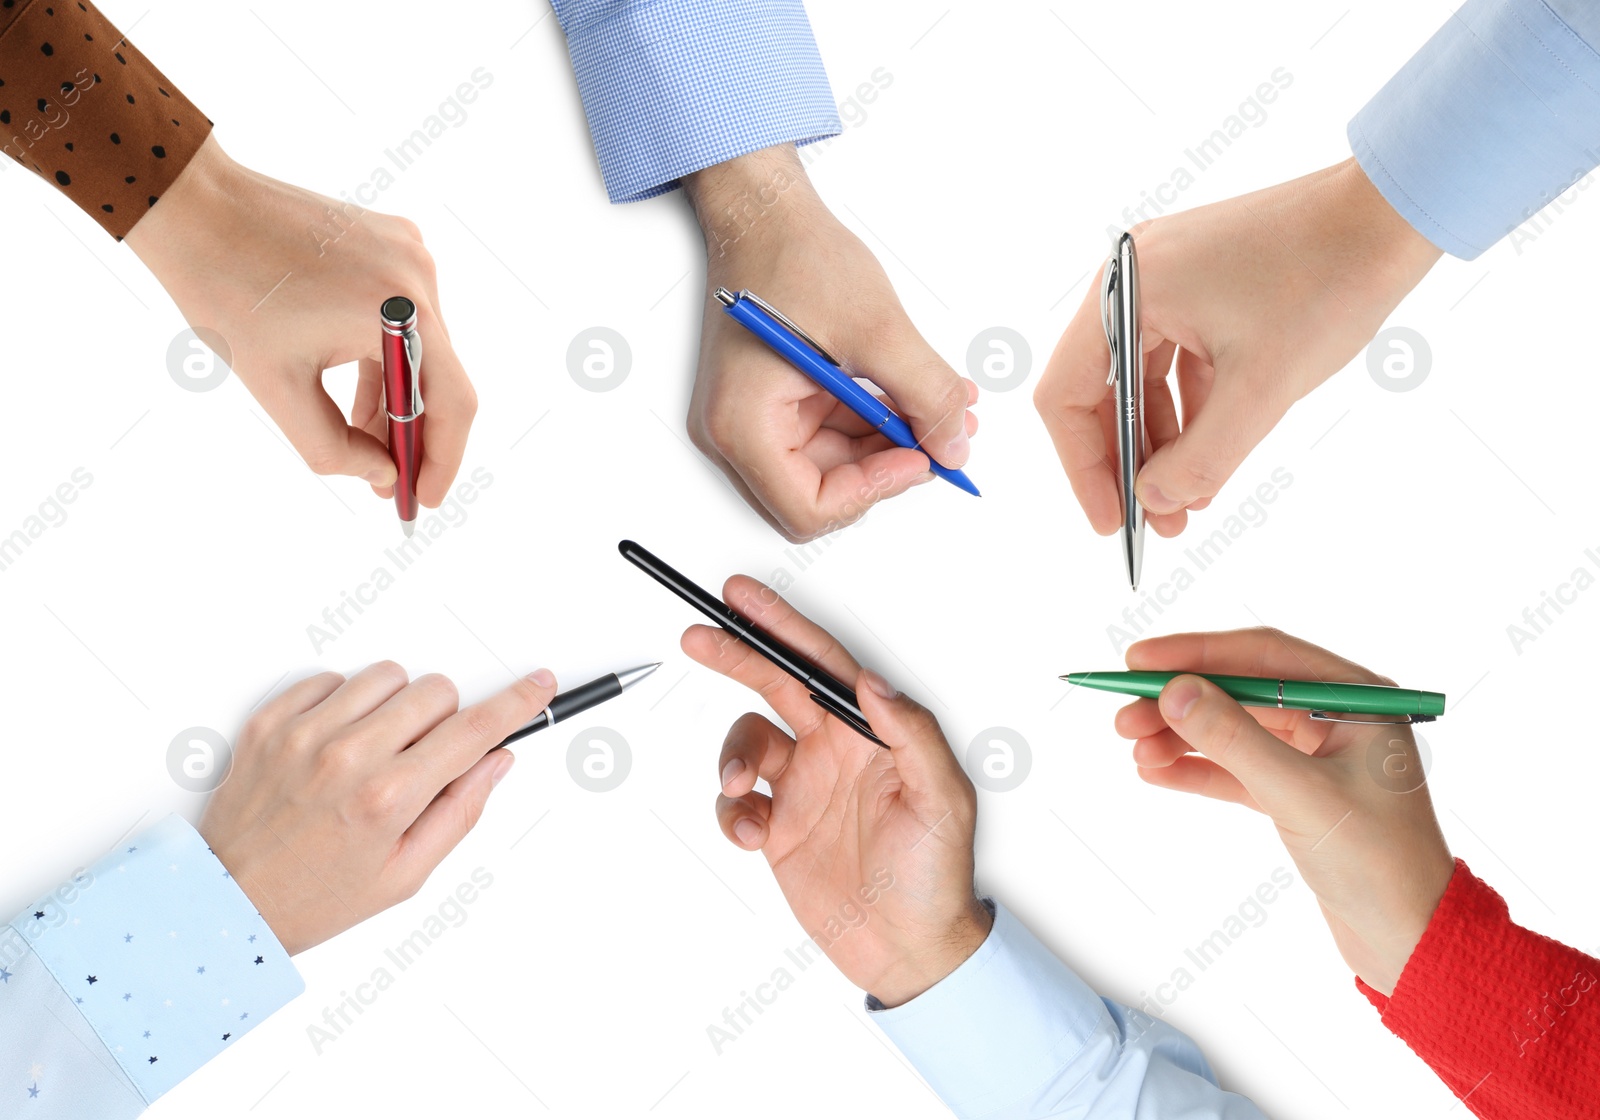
(291, 280)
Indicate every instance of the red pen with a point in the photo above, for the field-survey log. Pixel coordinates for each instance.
(402, 391)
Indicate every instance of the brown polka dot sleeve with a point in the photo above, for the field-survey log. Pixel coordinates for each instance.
(84, 109)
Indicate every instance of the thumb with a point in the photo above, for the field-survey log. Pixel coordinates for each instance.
(1235, 417)
(1214, 724)
(922, 754)
(927, 394)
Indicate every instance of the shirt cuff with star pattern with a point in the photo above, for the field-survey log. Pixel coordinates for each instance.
(129, 976)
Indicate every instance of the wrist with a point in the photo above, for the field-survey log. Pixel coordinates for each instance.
(1381, 242)
(209, 180)
(749, 197)
(932, 958)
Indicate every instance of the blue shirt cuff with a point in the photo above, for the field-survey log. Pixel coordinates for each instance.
(674, 86)
(1494, 117)
(1013, 1033)
(164, 958)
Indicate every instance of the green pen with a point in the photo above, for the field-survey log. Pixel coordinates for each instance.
(1317, 697)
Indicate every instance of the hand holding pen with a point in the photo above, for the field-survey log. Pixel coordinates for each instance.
(231, 248)
(804, 461)
(872, 848)
(1350, 799)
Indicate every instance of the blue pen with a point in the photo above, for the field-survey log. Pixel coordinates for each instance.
(802, 351)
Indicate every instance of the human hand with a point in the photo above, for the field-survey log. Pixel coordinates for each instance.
(292, 281)
(345, 794)
(1349, 800)
(803, 460)
(872, 848)
(1254, 302)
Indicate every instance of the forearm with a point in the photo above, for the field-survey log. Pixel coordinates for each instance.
(85, 110)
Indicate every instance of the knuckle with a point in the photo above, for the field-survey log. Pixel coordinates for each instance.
(323, 460)
(439, 690)
(379, 797)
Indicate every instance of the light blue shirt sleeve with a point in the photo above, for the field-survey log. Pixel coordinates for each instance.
(1494, 117)
(1014, 1034)
(674, 86)
(130, 976)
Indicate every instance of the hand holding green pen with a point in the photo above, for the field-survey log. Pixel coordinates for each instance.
(1350, 800)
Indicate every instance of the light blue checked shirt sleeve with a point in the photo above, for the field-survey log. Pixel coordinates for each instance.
(674, 86)
(130, 976)
(1014, 1034)
(1493, 118)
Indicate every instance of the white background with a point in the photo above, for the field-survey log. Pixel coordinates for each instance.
(179, 591)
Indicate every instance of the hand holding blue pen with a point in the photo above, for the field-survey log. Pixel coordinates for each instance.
(806, 355)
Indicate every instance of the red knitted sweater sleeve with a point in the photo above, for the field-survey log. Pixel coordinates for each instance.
(1508, 1019)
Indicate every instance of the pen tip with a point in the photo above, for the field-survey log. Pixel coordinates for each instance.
(409, 526)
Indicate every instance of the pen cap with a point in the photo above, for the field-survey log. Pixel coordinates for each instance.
(402, 354)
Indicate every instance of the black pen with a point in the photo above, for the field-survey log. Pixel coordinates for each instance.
(565, 705)
(832, 694)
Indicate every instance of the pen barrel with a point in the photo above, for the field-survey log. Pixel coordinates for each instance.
(585, 696)
(783, 342)
(405, 446)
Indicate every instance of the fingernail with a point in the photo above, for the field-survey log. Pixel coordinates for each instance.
(381, 476)
(544, 678)
(748, 832)
(731, 771)
(925, 476)
(882, 687)
(960, 448)
(502, 768)
(1151, 497)
(1179, 697)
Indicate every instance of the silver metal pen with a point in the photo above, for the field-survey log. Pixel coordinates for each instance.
(1119, 313)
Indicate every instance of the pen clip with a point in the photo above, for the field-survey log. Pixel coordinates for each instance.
(745, 293)
(1108, 284)
(849, 718)
(1326, 718)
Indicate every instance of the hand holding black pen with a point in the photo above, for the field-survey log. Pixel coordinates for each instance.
(872, 848)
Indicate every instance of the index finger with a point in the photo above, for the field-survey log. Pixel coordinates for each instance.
(1255, 652)
(456, 744)
(716, 649)
(1068, 398)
